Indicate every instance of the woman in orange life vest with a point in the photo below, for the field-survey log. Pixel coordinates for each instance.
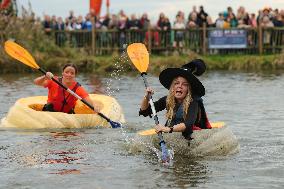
(60, 100)
(185, 111)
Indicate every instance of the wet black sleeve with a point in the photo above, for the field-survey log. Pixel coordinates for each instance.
(190, 118)
(159, 106)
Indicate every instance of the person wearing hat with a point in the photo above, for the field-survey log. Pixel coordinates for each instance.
(185, 111)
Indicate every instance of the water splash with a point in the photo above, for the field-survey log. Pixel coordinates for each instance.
(170, 161)
(137, 145)
(116, 74)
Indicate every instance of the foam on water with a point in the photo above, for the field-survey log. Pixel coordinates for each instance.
(209, 142)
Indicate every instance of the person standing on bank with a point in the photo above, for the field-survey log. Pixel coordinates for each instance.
(60, 100)
(185, 111)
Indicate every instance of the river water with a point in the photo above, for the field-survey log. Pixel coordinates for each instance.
(250, 104)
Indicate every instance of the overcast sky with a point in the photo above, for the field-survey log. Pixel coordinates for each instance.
(152, 7)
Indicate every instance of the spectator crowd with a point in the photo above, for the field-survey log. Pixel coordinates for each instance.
(197, 17)
(267, 17)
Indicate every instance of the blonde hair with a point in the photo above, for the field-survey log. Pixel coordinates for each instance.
(171, 102)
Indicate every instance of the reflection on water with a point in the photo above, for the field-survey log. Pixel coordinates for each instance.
(62, 157)
(97, 84)
(189, 173)
(67, 171)
(59, 150)
(64, 135)
(185, 172)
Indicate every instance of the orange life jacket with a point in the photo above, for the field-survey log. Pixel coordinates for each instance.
(62, 100)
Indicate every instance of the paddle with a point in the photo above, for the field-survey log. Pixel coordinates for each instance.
(22, 55)
(139, 56)
(152, 131)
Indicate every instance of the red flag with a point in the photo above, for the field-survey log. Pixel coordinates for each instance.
(95, 7)
(5, 4)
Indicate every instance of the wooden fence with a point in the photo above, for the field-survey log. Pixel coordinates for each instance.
(101, 42)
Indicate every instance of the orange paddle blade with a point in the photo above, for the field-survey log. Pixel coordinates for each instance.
(19, 53)
(139, 56)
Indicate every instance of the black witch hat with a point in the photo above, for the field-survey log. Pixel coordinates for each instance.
(194, 68)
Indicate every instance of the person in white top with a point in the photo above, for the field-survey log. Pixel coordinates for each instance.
(179, 25)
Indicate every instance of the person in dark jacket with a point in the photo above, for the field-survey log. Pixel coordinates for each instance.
(185, 111)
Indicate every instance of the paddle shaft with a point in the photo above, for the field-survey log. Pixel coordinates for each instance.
(153, 108)
(75, 95)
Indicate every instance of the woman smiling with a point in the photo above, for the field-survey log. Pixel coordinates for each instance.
(58, 99)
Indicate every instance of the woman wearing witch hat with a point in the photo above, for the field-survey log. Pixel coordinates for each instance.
(185, 111)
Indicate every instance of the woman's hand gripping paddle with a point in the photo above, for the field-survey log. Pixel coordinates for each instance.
(22, 55)
(148, 132)
(139, 56)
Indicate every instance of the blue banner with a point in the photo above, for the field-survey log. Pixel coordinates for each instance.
(227, 39)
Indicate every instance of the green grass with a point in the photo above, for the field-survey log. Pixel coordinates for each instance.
(223, 62)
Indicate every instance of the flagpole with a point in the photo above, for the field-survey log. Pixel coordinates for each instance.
(107, 5)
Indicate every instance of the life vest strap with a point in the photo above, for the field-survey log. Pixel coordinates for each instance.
(64, 102)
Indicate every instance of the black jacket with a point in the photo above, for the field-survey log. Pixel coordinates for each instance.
(196, 114)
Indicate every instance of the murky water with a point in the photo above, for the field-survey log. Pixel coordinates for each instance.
(251, 105)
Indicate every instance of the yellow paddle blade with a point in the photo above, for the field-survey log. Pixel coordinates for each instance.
(217, 124)
(147, 132)
(19, 53)
(152, 131)
(139, 56)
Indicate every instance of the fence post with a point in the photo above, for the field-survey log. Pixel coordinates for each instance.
(149, 39)
(93, 37)
(204, 48)
(260, 40)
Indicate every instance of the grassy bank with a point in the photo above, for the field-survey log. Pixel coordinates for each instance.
(223, 62)
(107, 64)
